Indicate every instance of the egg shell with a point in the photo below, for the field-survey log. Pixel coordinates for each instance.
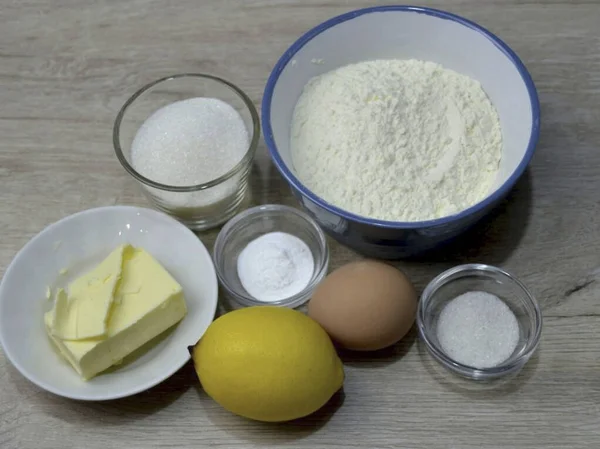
(365, 305)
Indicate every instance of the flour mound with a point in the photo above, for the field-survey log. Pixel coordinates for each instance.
(398, 140)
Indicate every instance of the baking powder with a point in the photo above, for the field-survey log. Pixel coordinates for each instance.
(275, 266)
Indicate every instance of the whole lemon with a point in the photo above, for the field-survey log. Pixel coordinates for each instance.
(268, 363)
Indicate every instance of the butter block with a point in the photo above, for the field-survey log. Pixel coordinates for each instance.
(64, 315)
(147, 301)
(84, 314)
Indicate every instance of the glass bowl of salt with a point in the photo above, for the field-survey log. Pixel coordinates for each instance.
(189, 140)
(479, 322)
(270, 255)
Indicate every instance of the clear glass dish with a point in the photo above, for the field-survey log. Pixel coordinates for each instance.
(199, 206)
(251, 224)
(486, 278)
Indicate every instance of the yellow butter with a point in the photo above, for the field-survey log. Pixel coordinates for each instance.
(64, 316)
(147, 301)
(84, 314)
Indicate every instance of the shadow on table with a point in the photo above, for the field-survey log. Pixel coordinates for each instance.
(383, 357)
(495, 237)
(125, 410)
(274, 434)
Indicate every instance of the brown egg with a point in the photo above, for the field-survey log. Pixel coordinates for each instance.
(365, 305)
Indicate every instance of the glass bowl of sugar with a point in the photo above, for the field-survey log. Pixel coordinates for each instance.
(270, 255)
(189, 140)
(479, 322)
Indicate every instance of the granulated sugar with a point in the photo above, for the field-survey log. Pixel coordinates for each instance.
(478, 329)
(191, 142)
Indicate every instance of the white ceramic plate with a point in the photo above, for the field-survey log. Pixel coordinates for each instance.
(77, 243)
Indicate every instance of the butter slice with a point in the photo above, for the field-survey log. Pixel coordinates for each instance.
(85, 313)
(147, 302)
(64, 315)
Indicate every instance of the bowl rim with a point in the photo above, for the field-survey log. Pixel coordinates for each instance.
(474, 209)
(117, 393)
(245, 161)
(244, 299)
(504, 368)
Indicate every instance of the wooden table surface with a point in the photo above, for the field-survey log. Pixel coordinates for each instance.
(66, 67)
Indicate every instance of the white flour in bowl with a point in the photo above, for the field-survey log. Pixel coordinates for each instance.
(398, 140)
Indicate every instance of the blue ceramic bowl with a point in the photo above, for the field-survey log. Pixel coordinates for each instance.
(403, 32)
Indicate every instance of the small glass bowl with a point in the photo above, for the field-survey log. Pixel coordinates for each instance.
(199, 206)
(486, 278)
(251, 224)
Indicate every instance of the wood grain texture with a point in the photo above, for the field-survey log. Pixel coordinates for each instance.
(66, 66)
